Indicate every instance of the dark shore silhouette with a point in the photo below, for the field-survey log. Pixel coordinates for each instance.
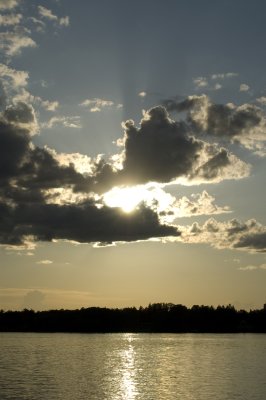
(159, 317)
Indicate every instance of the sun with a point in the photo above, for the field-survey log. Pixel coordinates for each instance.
(126, 198)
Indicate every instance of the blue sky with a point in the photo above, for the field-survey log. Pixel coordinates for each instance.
(133, 153)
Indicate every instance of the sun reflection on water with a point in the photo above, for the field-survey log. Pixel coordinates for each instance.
(128, 371)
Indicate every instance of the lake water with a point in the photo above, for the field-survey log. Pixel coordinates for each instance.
(132, 366)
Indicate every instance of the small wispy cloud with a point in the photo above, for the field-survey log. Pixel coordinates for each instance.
(224, 75)
(217, 86)
(208, 82)
(50, 105)
(253, 267)
(64, 21)
(19, 78)
(44, 262)
(200, 82)
(11, 43)
(97, 105)
(48, 14)
(66, 121)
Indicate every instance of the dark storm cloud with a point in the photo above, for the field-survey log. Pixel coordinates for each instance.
(159, 150)
(28, 173)
(245, 123)
(255, 241)
(83, 223)
(183, 105)
(162, 150)
(21, 113)
(26, 170)
(222, 120)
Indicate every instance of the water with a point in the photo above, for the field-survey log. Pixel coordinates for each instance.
(132, 366)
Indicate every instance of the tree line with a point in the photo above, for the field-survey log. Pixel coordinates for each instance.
(158, 317)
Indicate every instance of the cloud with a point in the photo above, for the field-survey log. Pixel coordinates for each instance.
(11, 43)
(64, 21)
(66, 121)
(224, 75)
(27, 169)
(48, 14)
(18, 78)
(29, 172)
(162, 150)
(253, 267)
(244, 87)
(87, 223)
(200, 82)
(44, 262)
(20, 116)
(8, 4)
(50, 105)
(261, 100)
(206, 82)
(217, 86)
(45, 196)
(245, 124)
(97, 105)
(233, 234)
(142, 94)
(26, 97)
(198, 204)
(10, 19)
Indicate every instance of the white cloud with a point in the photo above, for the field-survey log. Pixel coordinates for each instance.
(44, 262)
(217, 86)
(262, 100)
(200, 82)
(8, 4)
(83, 164)
(244, 87)
(97, 105)
(26, 96)
(64, 21)
(203, 82)
(50, 105)
(66, 121)
(253, 267)
(40, 25)
(48, 14)
(224, 75)
(10, 19)
(199, 204)
(11, 42)
(19, 78)
(142, 94)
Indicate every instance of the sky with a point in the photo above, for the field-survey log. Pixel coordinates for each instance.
(132, 153)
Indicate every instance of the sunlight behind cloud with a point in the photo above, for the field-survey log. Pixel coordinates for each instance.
(126, 198)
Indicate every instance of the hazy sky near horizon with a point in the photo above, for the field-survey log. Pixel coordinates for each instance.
(132, 153)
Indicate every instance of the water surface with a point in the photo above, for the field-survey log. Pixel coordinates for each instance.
(43, 366)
